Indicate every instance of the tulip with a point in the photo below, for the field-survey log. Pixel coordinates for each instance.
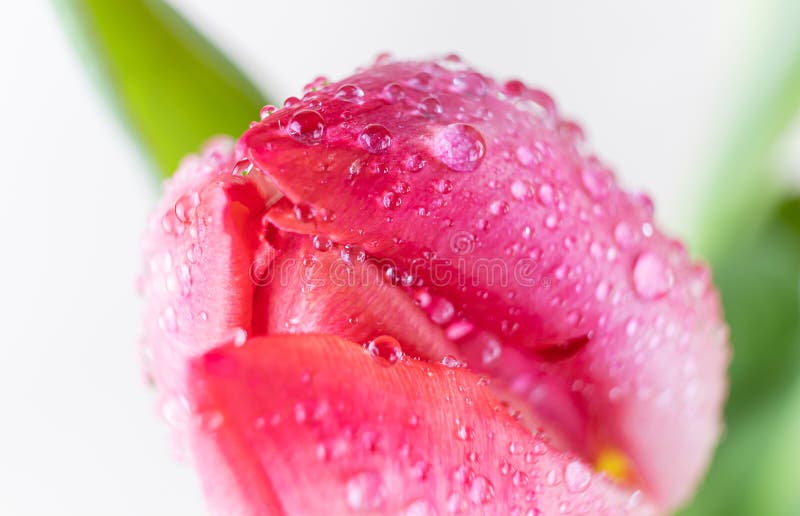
(417, 291)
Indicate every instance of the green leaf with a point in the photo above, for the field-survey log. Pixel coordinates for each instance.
(169, 83)
(759, 281)
(742, 193)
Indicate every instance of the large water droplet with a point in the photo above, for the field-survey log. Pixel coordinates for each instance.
(385, 348)
(460, 147)
(430, 107)
(306, 127)
(577, 476)
(375, 139)
(349, 93)
(651, 277)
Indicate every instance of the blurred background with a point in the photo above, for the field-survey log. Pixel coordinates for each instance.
(694, 102)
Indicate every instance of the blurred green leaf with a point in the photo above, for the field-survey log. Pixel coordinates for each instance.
(742, 192)
(759, 280)
(169, 83)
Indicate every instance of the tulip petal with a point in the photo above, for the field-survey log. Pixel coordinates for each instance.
(199, 247)
(490, 196)
(339, 291)
(331, 430)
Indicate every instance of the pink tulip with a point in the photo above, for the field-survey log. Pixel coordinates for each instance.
(416, 291)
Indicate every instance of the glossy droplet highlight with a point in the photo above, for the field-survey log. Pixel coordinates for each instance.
(306, 126)
(375, 139)
(651, 277)
(460, 147)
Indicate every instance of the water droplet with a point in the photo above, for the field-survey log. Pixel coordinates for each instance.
(414, 163)
(391, 200)
(365, 491)
(444, 186)
(481, 490)
(242, 167)
(577, 476)
(519, 479)
(546, 195)
(499, 207)
(597, 181)
(393, 93)
(460, 147)
(386, 348)
(519, 190)
(451, 361)
(353, 254)
(349, 93)
(304, 212)
(430, 107)
(375, 139)
(551, 221)
(651, 277)
(306, 126)
(321, 243)
(186, 206)
(470, 83)
(422, 81)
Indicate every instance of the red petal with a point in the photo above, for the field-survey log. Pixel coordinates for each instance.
(331, 430)
(531, 240)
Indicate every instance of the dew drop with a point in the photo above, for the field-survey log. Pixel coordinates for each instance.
(651, 277)
(186, 206)
(481, 490)
(451, 361)
(391, 200)
(470, 83)
(577, 476)
(460, 147)
(321, 243)
(393, 93)
(430, 107)
(306, 126)
(349, 93)
(304, 212)
(242, 167)
(266, 111)
(386, 348)
(353, 254)
(499, 207)
(375, 139)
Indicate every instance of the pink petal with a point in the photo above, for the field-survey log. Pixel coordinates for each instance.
(199, 248)
(338, 291)
(314, 425)
(492, 200)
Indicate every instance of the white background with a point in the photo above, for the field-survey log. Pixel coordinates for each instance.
(78, 433)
